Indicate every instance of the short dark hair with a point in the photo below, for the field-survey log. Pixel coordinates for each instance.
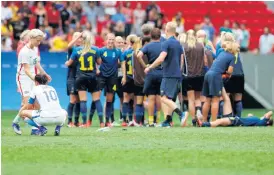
(155, 34)
(145, 39)
(41, 79)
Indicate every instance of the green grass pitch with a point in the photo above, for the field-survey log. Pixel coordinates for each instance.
(135, 151)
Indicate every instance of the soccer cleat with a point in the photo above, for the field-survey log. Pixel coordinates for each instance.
(115, 124)
(131, 123)
(77, 124)
(71, 125)
(43, 130)
(83, 125)
(108, 124)
(102, 125)
(89, 123)
(57, 131)
(152, 125)
(184, 118)
(165, 124)
(35, 132)
(124, 124)
(16, 128)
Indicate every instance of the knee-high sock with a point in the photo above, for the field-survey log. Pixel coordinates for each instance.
(92, 111)
(221, 105)
(112, 113)
(83, 110)
(70, 111)
(108, 111)
(139, 112)
(99, 109)
(31, 122)
(77, 112)
(130, 111)
(125, 111)
(238, 108)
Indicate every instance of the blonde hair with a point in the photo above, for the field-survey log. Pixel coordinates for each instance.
(75, 35)
(190, 39)
(88, 40)
(171, 27)
(182, 38)
(201, 40)
(24, 34)
(132, 39)
(36, 33)
(229, 43)
(201, 34)
(137, 45)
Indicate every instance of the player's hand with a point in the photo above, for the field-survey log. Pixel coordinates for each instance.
(97, 71)
(66, 63)
(124, 80)
(147, 70)
(49, 77)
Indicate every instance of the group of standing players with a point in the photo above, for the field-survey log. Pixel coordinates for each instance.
(150, 72)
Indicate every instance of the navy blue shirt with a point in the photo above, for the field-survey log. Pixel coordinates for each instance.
(162, 39)
(72, 68)
(110, 57)
(238, 67)
(152, 50)
(127, 56)
(254, 121)
(86, 64)
(172, 62)
(222, 62)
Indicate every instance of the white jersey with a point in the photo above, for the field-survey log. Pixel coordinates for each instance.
(29, 56)
(46, 97)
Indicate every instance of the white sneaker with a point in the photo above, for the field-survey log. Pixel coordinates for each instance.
(131, 123)
(115, 124)
(184, 119)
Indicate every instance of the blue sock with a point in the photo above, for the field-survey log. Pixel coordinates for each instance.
(125, 111)
(77, 112)
(112, 113)
(206, 124)
(143, 113)
(70, 112)
(121, 116)
(92, 111)
(138, 112)
(99, 109)
(83, 109)
(208, 117)
(130, 111)
(108, 111)
(238, 108)
(155, 114)
(221, 106)
(194, 122)
(31, 122)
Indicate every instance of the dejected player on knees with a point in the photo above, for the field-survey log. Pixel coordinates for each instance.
(86, 80)
(171, 57)
(50, 112)
(109, 72)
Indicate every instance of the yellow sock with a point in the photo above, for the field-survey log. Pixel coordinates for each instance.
(150, 120)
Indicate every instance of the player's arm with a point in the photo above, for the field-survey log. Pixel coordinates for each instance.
(123, 67)
(73, 57)
(140, 58)
(182, 61)
(72, 42)
(27, 71)
(41, 70)
(157, 62)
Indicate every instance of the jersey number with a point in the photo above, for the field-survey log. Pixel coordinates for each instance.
(129, 72)
(51, 95)
(82, 63)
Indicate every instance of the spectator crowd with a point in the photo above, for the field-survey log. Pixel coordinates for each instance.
(59, 20)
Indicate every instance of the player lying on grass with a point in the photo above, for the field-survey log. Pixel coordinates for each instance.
(50, 112)
(250, 120)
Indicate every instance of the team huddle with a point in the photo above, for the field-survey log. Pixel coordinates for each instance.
(150, 72)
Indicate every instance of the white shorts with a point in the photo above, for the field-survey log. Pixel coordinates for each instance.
(45, 118)
(24, 84)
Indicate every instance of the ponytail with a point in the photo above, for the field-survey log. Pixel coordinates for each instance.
(87, 42)
(190, 39)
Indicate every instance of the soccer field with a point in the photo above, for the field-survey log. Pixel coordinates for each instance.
(138, 150)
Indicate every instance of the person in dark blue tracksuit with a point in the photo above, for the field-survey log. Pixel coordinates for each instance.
(171, 57)
(154, 78)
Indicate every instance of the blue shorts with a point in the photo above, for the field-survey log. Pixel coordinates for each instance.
(71, 87)
(170, 87)
(87, 83)
(129, 87)
(152, 84)
(107, 83)
(213, 84)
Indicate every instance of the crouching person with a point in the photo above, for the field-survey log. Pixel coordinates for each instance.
(50, 112)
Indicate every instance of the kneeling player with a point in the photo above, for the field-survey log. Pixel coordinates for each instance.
(50, 112)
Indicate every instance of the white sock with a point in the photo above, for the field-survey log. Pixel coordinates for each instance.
(17, 119)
